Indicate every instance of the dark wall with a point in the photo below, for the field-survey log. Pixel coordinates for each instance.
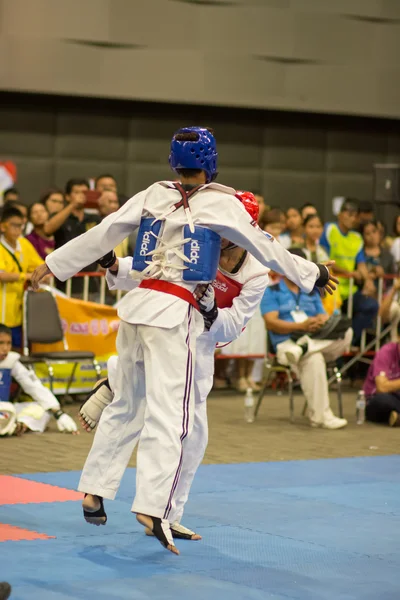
(291, 157)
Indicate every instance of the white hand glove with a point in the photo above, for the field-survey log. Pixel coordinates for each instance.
(207, 301)
(65, 423)
(100, 397)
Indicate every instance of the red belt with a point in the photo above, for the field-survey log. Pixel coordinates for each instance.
(169, 288)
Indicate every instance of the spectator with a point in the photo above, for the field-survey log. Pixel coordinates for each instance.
(395, 248)
(70, 222)
(365, 213)
(308, 209)
(260, 201)
(287, 311)
(53, 200)
(382, 386)
(293, 235)
(389, 311)
(23, 209)
(313, 230)
(271, 222)
(18, 260)
(378, 260)
(26, 416)
(107, 203)
(105, 183)
(346, 248)
(38, 216)
(11, 194)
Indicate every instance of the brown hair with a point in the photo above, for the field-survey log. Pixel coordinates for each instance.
(270, 215)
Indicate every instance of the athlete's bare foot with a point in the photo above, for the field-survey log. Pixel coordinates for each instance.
(93, 510)
(158, 528)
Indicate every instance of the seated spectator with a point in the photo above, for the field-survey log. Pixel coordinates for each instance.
(288, 311)
(10, 195)
(26, 416)
(106, 183)
(382, 386)
(38, 216)
(271, 222)
(293, 236)
(70, 222)
(389, 310)
(345, 246)
(313, 230)
(395, 247)
(365, 213)
(308, 209)
(18, 260)
(53, 199)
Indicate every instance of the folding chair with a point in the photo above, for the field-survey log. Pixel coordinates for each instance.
(272, 366)
(42, 325)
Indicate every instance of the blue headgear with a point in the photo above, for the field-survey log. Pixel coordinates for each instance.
(200, 154)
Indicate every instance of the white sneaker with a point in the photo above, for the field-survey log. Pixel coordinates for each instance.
(294, 355)
(330, 423)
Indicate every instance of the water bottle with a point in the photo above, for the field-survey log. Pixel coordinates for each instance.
(249, 406)
(360, 408)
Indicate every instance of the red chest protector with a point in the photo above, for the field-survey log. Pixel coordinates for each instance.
(226, 289)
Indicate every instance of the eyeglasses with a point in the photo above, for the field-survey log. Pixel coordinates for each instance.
(16, 225)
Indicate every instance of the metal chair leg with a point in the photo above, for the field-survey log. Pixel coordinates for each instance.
(338, 376)
(50, 371)
(262, 392)
(97, 368)
(303, 412)
(291, 396)
(71, 378)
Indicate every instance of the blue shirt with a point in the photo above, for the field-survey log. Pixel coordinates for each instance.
(280, 298)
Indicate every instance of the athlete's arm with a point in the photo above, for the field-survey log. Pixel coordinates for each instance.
(122, 279)
(225, 215)
(86, 249)
(230, 321)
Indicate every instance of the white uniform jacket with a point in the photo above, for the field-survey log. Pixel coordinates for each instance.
(215, 207)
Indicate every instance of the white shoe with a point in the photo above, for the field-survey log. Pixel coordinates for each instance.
(330, 423)
(294, 355)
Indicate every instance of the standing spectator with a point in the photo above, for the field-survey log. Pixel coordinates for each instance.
(382, 386)
(18, 260)
(72, 221)
(10, 195)
(308, 209)
(38, 216)
(365, 213)
(395, 248)
(271, 222)
(313, 230)
(294, 229)
(105, 183)
(287, 310)
(53, 199)
(379, 261)
(345, 246)
(23, 209)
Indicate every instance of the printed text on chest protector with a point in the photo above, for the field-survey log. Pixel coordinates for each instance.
(194, 252)
(145, 244)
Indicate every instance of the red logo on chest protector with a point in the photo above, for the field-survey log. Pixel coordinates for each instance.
(226, 289)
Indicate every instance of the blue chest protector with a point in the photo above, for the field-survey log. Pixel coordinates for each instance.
(202, 252)
(146, 242)
(5, 384)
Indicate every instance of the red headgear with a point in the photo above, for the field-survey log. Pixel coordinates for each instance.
(250, 203)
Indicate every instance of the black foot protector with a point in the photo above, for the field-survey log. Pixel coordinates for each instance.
(97, 517)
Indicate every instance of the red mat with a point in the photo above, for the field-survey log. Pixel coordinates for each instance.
(14, 490)
(11, 533)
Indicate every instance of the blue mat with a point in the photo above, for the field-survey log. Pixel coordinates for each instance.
(304, 530)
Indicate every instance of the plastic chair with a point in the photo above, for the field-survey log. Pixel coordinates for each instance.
(42, 325)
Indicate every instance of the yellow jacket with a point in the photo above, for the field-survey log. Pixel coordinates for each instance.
(11, 293)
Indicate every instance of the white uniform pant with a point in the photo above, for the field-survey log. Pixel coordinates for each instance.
(153, 401)
(311, 370)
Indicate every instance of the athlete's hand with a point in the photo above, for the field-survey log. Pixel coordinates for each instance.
(207, 301)
(333, 281)
(38, 274)
(66, 424)
(199, 291)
